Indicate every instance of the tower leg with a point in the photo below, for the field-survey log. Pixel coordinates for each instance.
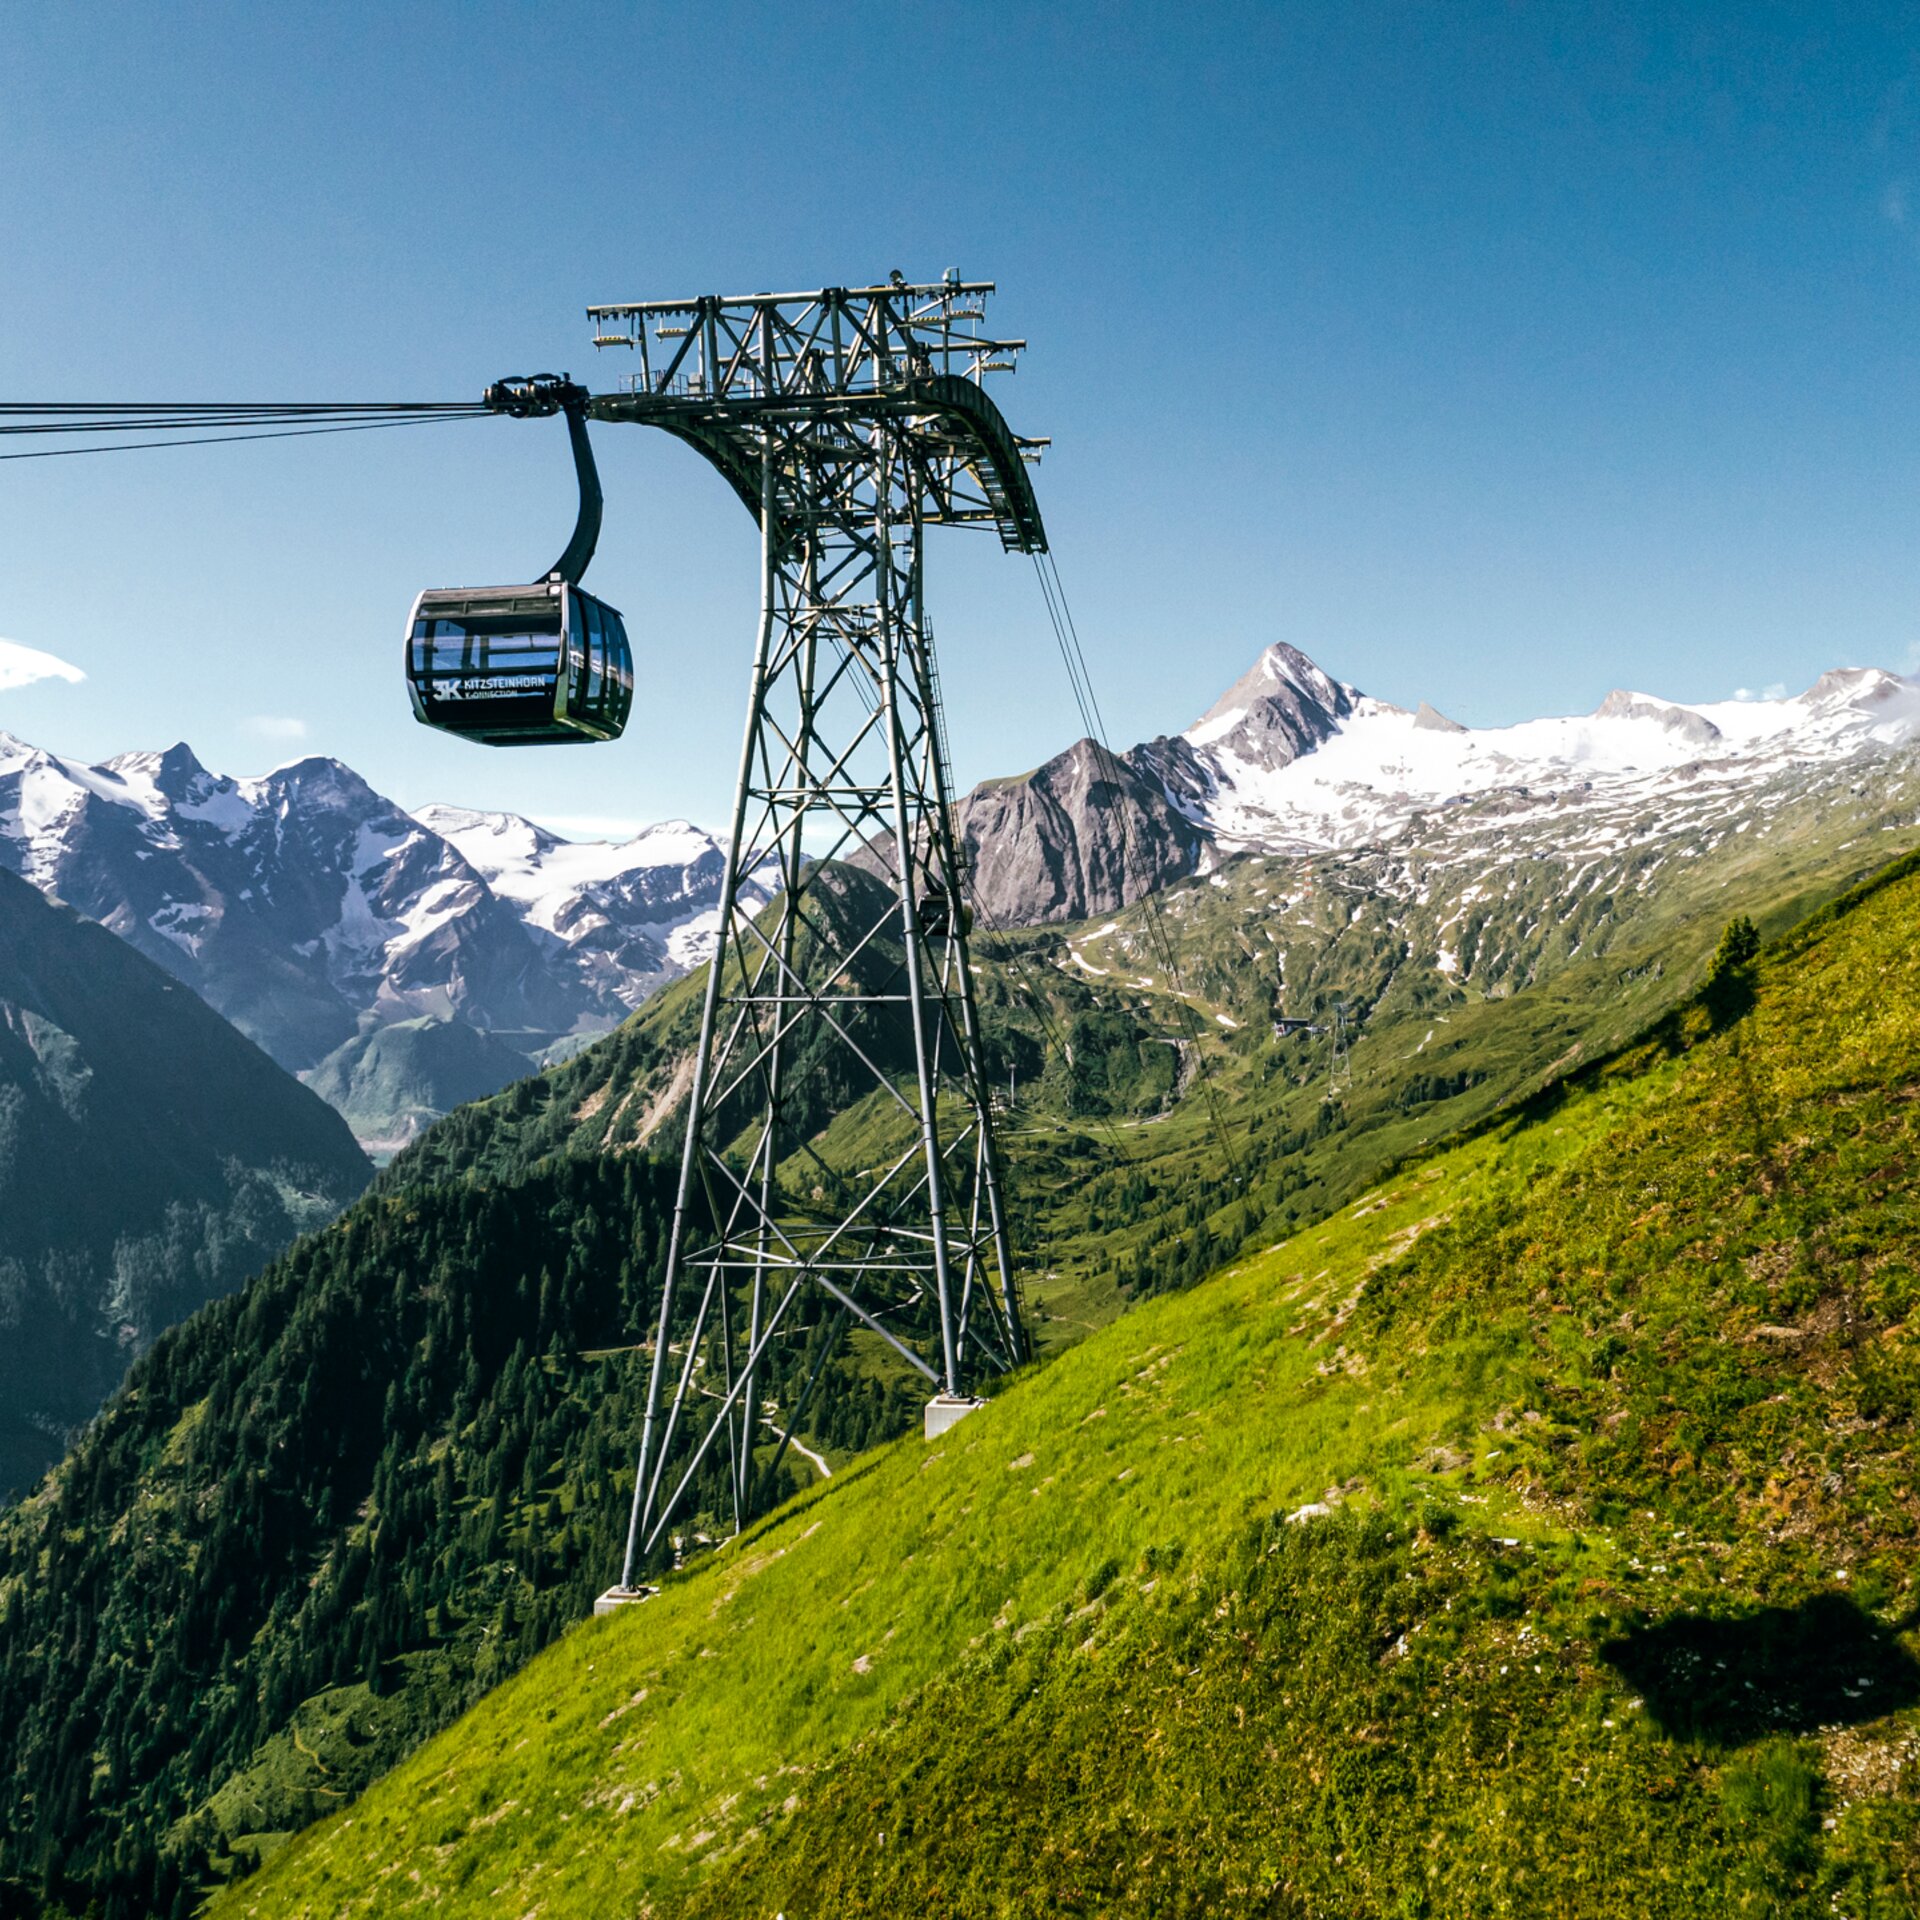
(848, 992)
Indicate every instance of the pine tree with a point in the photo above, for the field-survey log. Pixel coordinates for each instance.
(1738, 949)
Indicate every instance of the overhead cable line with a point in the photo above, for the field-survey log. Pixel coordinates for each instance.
(223, 439)
(1066, 634)
(182, 409)
(263, 420)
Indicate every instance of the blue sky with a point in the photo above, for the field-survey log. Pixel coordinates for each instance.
(1496, 355)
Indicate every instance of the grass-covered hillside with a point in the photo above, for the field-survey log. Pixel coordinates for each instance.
(374, 1484)
(1534, 1537)
(1159, 1125)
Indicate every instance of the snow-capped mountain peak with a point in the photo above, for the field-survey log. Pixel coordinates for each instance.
(314, 912)
(1291, 759)
(1281, 669)
(1379, 765)
(1282, 698)
(1683, 722)
(497, 841)
(646, 905)
(1864, 690)
(526, 862)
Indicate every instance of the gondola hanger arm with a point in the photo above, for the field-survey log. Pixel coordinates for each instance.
(530, 396)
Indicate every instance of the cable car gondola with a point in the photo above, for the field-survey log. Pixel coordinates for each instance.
(545, 664)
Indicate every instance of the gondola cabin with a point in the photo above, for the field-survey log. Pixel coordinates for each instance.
(519, 666)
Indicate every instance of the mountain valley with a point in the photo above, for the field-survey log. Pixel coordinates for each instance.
(413, 1431)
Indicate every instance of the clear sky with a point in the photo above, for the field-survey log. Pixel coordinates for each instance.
(1494, 354)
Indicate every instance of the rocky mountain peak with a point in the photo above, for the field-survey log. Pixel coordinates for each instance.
(178, 768)
(1682, 722)
(1855, 687)
(1284, 705)
(173, 770)
(322, 783)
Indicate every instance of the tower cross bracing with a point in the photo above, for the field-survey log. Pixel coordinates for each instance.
(849, 421)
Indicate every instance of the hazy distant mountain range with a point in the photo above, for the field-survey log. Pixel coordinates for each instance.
(404, 962)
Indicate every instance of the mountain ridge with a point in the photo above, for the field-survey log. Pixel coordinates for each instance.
(315, 913)
(318, 915)
(1291, 760)
(150, 1158)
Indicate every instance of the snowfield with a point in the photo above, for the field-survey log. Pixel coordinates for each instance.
(1379, 765)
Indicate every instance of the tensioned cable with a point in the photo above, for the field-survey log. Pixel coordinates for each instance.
(45, 416)
(1019, 966)
(1067, 635)
(1150, 899)
(264, 420)
(222, 439)
(71, 409)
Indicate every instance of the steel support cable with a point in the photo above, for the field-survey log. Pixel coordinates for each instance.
(223, 439)
(84, 429)
(169, 423)
(1036, 1001)
(55, 411)
(1020, 965)
(20, 416)
(1156, 924)
(204, 406)
(1019, 968)
(88, 429)
(249, 420)
(1066, 634)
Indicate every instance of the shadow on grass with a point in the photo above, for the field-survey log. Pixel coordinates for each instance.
(1726, 1681)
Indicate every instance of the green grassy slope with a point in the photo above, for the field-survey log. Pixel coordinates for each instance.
(1560, 953)
(290, 1630)
(1533, 1537)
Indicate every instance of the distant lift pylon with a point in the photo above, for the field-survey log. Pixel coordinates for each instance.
(848, 421)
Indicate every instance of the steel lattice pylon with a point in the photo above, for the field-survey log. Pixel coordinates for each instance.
(849, 420)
